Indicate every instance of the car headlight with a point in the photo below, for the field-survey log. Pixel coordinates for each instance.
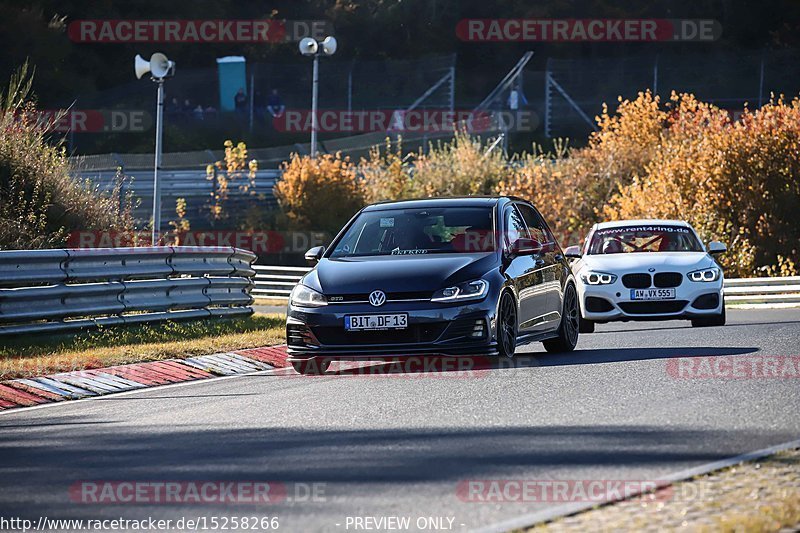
(471, 290)
(598, 278)
(707, 274)
(303, 296)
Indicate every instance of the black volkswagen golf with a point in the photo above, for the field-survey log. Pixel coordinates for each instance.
(441, 277)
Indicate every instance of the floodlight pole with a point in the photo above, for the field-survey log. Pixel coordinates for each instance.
(314, 91)
(312, 47)
(156, 236)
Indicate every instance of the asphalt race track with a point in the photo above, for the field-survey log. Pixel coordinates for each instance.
(399, 444)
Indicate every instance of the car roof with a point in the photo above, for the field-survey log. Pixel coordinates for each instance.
(643, 222)
(452, 201)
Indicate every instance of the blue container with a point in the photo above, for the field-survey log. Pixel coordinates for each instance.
(232, 77)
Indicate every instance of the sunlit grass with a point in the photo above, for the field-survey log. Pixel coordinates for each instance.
(34, 355)
(270, 301)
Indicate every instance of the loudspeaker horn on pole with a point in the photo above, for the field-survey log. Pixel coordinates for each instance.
(159, 66)
(141, 66)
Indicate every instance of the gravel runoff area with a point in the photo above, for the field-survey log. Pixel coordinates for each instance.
(762, 495)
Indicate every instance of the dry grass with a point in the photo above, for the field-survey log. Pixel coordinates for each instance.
(758, 496)
(270, 301)
(34, 356)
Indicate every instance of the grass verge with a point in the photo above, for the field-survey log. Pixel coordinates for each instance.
(758, 496)
(277, 302)
(32, 355)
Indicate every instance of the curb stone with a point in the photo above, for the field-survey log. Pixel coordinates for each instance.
(27, 392)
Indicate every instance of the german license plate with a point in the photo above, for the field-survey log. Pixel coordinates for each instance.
(367, 322)
(652, 294)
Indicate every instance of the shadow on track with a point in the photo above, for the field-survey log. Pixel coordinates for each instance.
(434, 365)
(686, 325)
(352, 461)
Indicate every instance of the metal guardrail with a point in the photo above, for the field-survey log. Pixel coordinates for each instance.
(276, 282)
(59, 290)
(785, 290)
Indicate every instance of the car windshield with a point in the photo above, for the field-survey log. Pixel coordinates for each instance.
(633, 239)
(418, 231)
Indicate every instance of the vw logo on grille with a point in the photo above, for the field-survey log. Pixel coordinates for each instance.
(377, 298)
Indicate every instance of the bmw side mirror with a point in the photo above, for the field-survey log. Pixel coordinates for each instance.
(716, 247)
(526, 246)
(573, 252)
(315, 254)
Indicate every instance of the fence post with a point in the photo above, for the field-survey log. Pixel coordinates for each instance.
(350, 87)
(655, 77)
(452, 88)
(761, 82)
(121, 184)
(547, 103)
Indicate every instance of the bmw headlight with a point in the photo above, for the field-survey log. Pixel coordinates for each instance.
(707, 274)
(303, 296)
(471, 290)
(598, 278)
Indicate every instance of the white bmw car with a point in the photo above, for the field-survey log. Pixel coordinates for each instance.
(648, 270)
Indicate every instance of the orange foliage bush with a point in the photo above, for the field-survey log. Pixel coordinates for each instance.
(734, 181)
(738, 182)
(387, 174)
(465, 165)
(321, 193)
(568, 186)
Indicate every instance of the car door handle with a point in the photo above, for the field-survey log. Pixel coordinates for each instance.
(538, 262)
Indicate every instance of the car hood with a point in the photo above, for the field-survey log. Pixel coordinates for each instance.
(394, 273)
(636, 262)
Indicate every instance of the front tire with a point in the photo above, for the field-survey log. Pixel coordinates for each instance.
(585, 326)
(716, 320)
(570, 323)
(507, 326)
(311, 367)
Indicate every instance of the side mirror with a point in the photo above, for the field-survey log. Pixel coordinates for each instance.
(315, 254)
(526, 246)
(716, 247)
(573, 252)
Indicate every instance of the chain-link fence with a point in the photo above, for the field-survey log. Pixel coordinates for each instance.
(575, 89)
(194, 112)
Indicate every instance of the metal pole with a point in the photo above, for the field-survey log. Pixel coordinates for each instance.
(655, 77)
(252, 92)
(156, 235)
(452, 89)
(547, 102)
(315, 88)
(761, 83)
(350, 88)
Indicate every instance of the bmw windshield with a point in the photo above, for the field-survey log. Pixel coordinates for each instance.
(634, 239)
(418, 231)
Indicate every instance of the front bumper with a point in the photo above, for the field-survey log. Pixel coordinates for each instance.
(606, 303)
(433, 329)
